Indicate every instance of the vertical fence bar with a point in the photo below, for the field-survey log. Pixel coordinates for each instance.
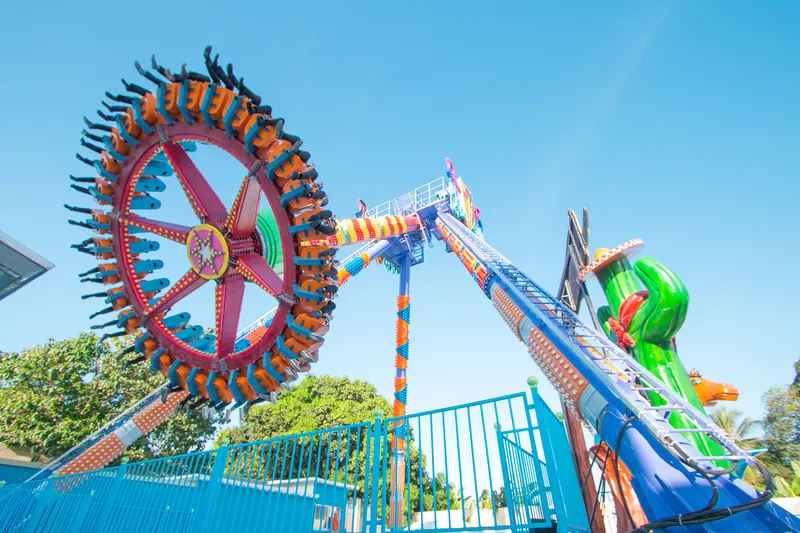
(288, 480)
(79, 516)
(446, 474)
(420, 475)
(298, 475)
(506, 476)
(488, 464)
(319, 462)
(433, 469)
(273, 502)
(209, 496)
(460, 476)
(255, 472)
(355, 481)
(111, 498)
(376, 469)
(385, 495)
(43, 503)
(346, 491)
(474, 469)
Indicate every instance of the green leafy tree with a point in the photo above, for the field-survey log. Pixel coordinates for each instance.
(326, 402)
(54, 395)
(781, 426)
(735, 424)
(316, 403)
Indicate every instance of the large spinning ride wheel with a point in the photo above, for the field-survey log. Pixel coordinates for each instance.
(151, 135)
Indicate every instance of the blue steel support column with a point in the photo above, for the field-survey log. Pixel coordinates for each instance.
(377, 436)
(400, 396)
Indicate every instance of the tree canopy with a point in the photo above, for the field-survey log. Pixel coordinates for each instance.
(54, 395)
(316, 403)
(326, 402)
(782, 427)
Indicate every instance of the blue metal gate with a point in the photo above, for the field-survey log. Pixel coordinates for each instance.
(534, 500)
(528, 504)
(482, 466)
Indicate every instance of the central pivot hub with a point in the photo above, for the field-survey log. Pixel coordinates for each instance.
(208, 251)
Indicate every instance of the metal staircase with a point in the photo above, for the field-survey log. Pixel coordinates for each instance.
(609, 366)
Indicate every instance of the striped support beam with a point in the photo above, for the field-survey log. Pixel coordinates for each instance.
(355, 230)
(400, 396)
(355, 265)
(102, 452)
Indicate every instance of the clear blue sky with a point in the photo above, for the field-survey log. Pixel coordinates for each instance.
(674, 122)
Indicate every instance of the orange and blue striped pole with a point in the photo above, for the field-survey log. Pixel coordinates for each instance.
(400, 395)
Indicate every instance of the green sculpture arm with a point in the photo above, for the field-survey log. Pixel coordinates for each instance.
(663, 313)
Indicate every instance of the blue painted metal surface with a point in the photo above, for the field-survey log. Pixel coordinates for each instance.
(328, 480)
(16, 471)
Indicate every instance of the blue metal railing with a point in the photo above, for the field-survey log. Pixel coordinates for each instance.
(523, 472)
(328, 480)
(292, 483)
(462, 460)
(569, 509)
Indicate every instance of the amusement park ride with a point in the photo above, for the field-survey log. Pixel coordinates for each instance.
(623, 380)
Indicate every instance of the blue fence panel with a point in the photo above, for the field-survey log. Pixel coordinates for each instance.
(481, 466)
(16, 504)
(309, 482)
(453, 458)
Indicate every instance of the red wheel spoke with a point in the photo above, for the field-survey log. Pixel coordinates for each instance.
(241, 221)
(255, 268)
(228, 304)
(173, 232)
(188, 283)
(204, 200)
